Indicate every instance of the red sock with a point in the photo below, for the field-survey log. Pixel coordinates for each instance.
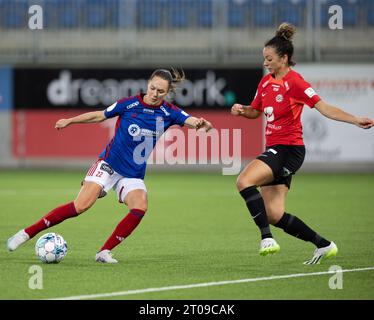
(124, 228)
(52, 218)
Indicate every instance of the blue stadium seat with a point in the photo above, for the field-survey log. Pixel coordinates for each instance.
(95, 12)
(370, 14)
(350, 13)
(149, 13)
(14, 14)
(204, 13)
(367, 9)
(264, 13)
(102, 13)
(293, 11)
(49, 14)
(68, 14)
(237, 13)
(178, 13)
(350, 18)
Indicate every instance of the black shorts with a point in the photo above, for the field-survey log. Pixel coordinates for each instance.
(284, 161)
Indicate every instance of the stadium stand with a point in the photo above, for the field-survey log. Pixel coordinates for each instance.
(193, 26)
(154, 14)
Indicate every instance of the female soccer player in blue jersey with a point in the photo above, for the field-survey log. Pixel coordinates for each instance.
(121, 166)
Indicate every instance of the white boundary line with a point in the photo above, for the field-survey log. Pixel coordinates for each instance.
(207, 284)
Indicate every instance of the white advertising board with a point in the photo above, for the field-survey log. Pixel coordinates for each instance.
(351, 88)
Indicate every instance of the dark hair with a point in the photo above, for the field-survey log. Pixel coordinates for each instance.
(173, 77)
(282, 42)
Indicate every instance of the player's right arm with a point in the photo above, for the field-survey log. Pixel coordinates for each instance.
(88, 117)
(245, 111)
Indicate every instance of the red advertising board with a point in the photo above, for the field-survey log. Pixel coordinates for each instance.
(34, 135)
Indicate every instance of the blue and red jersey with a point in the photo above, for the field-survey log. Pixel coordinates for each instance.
(138, 128)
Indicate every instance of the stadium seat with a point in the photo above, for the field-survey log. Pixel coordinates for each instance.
(293, 11)
(350, 13)
(178, 13)
(95, 13)
(264, 13)
(237, 13)
(204, 13)
(366, 16)
(102, 13)
(370, 15)
(149, 13)
(68, 14)
(49, 14)
(14, 14)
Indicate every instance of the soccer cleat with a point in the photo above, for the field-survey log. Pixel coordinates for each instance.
(268, 245)
(323, 253)
(15, 241)
(105, 256)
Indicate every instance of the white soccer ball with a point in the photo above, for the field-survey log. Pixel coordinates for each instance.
(51, 248)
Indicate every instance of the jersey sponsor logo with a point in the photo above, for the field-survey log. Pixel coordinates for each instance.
(269, 113)
(310, 92)
(133, 130)
(111, 107)
(263, 94)
(106, 167)
(149, 111)
(275, 87)
(274, 127)
(164, 110)
(149, 133)
(132, 105)
(279, 98)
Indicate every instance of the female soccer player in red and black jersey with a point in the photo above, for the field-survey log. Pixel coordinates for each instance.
(281, 96)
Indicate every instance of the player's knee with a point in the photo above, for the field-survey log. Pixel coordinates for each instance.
(82, 206)
(274, 214)
(242, 183)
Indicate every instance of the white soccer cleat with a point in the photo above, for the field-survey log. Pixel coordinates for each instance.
(15, 241)
(268, 246)
(105, 256)
(323, 253)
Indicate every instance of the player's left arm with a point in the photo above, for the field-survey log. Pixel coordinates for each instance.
(338, 114)
(198, 123)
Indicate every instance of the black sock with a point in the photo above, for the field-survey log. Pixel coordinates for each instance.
(297, 228)
(256, 207)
